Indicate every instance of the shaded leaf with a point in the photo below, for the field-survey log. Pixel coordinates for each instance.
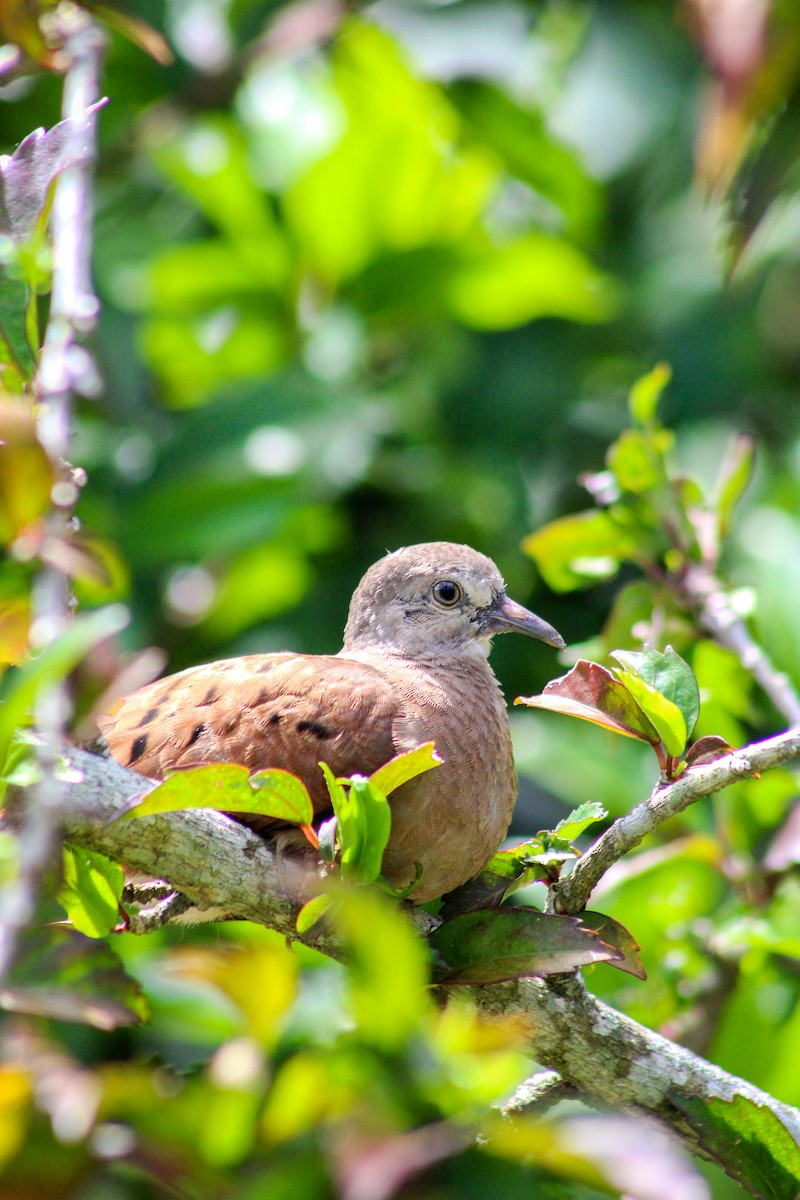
(591, 693)
(91, 891)
(64, 975)
(707, 749)
(616, 935)
(483, 947)
(228, 787)
(749, 1141)
(646, 393)
(581, 549)
(406, 766)
(26, 176)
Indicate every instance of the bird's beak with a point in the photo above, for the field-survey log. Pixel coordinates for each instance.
(506, 616)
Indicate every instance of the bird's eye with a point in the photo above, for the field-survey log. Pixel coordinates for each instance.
(446, 593)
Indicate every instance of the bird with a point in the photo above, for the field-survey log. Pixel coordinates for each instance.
(413, 668)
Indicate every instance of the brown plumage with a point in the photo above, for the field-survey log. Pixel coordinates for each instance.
(413, 668)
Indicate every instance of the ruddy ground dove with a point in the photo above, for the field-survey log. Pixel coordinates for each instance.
(413, 668)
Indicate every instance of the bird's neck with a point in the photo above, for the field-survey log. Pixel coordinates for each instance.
(468, 658)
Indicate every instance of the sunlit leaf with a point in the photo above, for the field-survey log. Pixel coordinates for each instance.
(229, 787)
(581, 549)
(579, 820)
(403, 767)
(667, 674)
(312, 911)
(388, 968)
(591, 692)
(637, 459)
(537, 276)
(666, 718)
(260, 978)
(481, 947)
(368, 809)
(51, 665)
(646, 393)
(734, 476)
(91, 891)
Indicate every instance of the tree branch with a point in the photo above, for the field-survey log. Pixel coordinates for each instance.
(64, 368)
(608, 1058)
(571, 894)
(700, 591)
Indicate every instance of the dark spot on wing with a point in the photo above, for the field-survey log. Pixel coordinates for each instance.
(316, 727)
(275, 719)
(198, 729)
(209, 697)
(149, 716)
(138, 748)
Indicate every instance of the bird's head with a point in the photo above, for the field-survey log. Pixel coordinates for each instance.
(434, 599)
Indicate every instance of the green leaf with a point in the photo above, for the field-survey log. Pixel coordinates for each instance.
(616, 935)
(483, 947)
(579, 819)
(312, 911)
(69, 977)
(536, 276)
(646, 393)
(668, 674)
(228, 787)
(387, 978)
(361, 859)
(637, 459)
(666, 717)
(735, 474)
(91, 891)
(591, 693)
(22, 686)
(403, 767)
(580, 549)
(749, 1141)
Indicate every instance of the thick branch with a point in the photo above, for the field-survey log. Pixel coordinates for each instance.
(573, 892)
(607, 1057)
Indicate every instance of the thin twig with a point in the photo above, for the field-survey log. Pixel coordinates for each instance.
(64, 369)
(700, 591)
(572, 893)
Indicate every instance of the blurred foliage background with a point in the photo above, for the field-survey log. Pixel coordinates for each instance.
(383, 274)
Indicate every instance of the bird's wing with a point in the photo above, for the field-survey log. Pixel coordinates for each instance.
(269, 710)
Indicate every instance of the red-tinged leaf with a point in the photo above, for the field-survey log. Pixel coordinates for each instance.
(591, 693)
(26, 176)
(485, 947)
(616, 935)
(707, 749)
